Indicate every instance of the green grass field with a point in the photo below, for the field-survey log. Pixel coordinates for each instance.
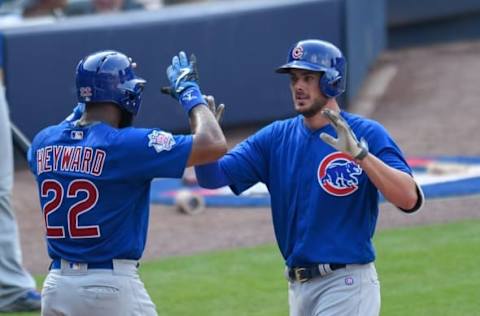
(428, 270)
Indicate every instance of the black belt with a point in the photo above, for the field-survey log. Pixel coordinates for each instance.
(304, 274)
(57, 264)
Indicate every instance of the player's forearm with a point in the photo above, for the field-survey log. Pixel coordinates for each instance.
(209, 142)
(397, 187)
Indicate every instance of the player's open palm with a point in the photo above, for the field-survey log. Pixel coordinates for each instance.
(181, 74)
(346, 142)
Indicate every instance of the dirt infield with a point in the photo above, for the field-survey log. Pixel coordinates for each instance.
(431, 106)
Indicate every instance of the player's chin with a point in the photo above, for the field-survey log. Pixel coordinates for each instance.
(309, 110)
(302, 106)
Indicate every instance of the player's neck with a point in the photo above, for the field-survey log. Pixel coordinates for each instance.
(106, 113)
(318, 120)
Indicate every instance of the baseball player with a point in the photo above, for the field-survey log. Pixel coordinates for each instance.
(323, 169)
(17, 287)
(94, 176)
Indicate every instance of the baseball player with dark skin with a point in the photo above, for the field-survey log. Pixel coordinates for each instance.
(324, 169)
(94, 172)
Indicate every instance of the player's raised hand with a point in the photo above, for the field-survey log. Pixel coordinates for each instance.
(183, 77)
(182, 74)
(346, 142)
(216, 110)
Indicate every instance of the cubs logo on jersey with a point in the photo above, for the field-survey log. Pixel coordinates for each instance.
(338, 174)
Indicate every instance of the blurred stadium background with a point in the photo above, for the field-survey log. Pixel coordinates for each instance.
(238, 44)
(413, 65)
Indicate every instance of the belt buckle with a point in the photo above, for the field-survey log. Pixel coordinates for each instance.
(298, 274)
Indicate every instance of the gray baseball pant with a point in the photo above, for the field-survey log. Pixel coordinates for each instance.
(351, 291)
(15, 281)
(75, 290)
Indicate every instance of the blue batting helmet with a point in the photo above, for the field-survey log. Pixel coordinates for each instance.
(108, 76)
(319, 56)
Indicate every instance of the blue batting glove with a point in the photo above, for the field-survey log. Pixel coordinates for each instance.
(183, 78)
(77, 112)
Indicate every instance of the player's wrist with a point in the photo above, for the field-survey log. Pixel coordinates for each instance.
(361, 156)
(363, 150)
(191, 97)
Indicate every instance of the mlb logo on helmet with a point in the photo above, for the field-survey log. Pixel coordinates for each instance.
(297, 52)
(338, 174)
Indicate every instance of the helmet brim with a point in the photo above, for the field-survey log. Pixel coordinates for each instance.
(133, 85)
(299, 65)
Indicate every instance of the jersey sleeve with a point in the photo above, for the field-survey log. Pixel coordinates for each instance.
(385, 148)
(32, 150)
(382, 145)
(247, 163)
(151, 153)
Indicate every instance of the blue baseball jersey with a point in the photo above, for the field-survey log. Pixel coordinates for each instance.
(94, 186)
(324, 207)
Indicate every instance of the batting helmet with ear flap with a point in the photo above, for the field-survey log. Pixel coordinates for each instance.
(319, 56)
(108, 76)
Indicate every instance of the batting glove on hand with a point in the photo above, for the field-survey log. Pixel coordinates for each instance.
(77, 112)
(183, 78)
(216, 110)
(346, 142)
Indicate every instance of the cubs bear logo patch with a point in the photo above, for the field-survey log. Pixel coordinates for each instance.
(160, 141)
(338, 174)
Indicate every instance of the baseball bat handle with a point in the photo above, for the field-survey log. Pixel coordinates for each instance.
(166, 90)
(19, 139)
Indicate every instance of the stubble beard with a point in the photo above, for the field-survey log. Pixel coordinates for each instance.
(314, 109)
